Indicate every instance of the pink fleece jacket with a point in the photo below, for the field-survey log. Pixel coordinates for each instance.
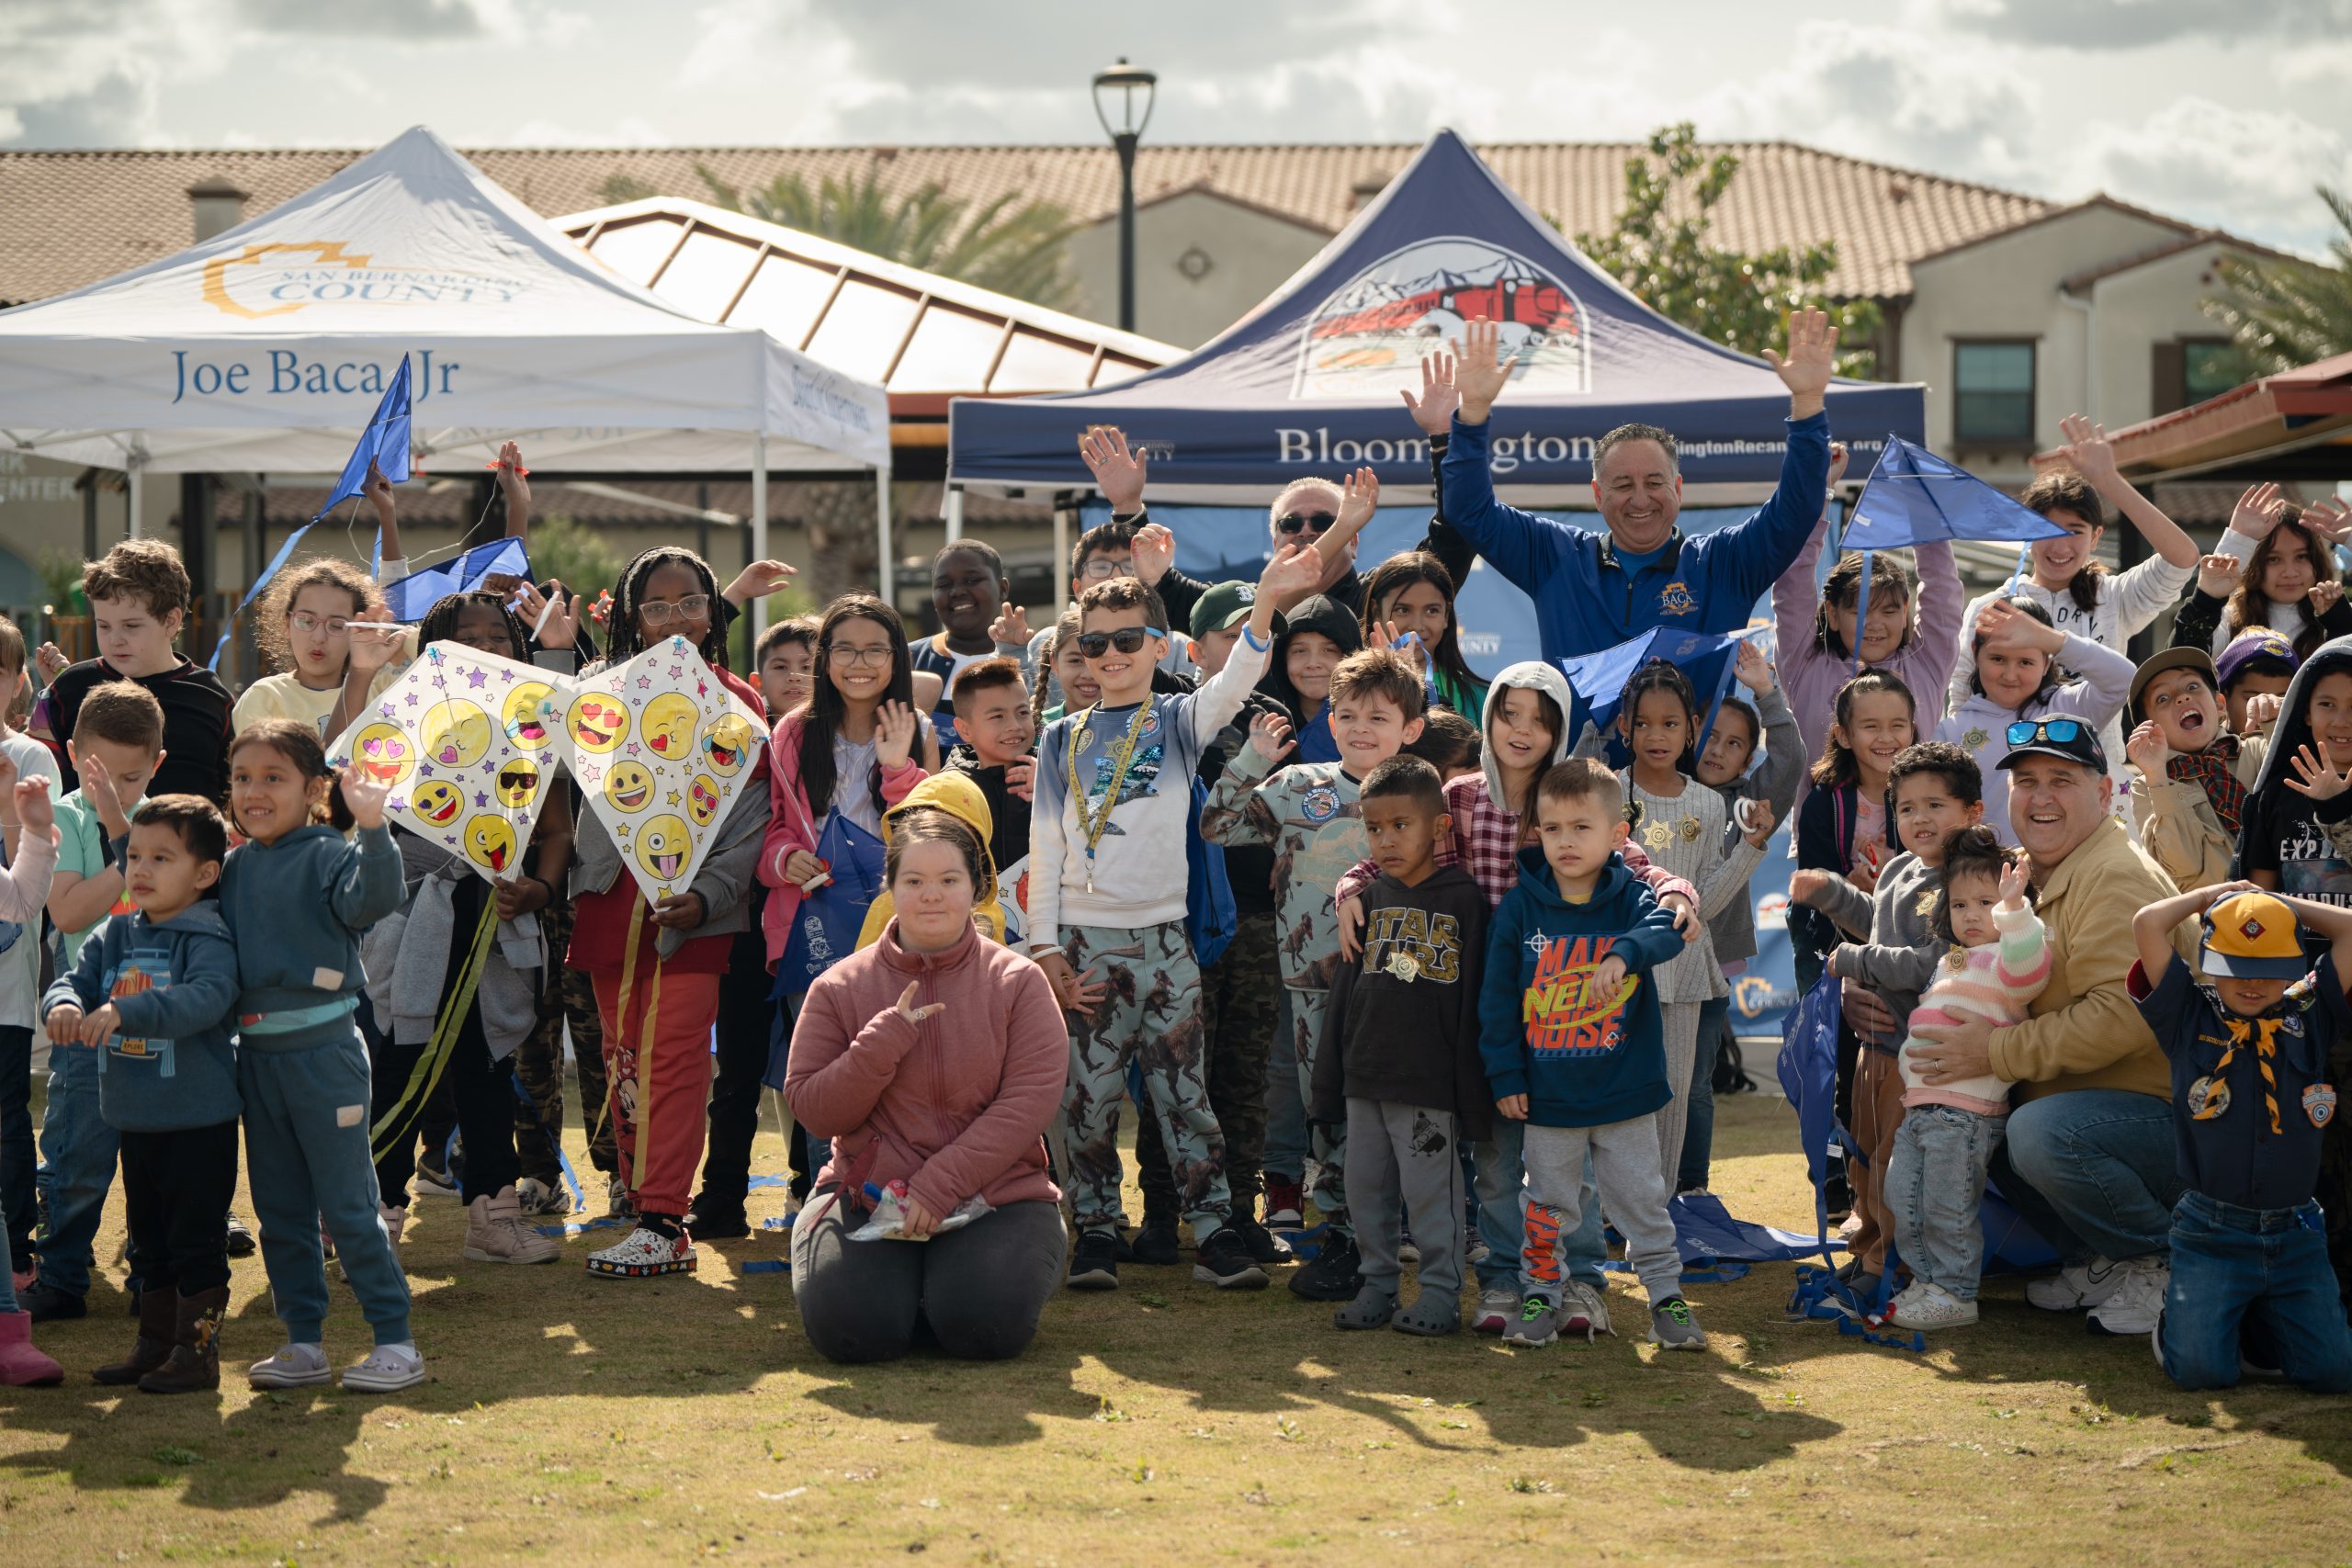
(957, 1104)
(793, 826)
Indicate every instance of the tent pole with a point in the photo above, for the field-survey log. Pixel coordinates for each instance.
(954, 513)
(131, 489)
(1061, 554)
(759, 528)
(885, 566)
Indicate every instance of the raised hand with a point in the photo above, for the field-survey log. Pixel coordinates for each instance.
(2261, 712)
(758, 581)
(2331, 519)
(561, 628)
(2324, 597)
(34, 808)
(1154, 552)
(2147, 749)
(1762, 821)
(1433, 410)
(2002, 622)
(1478, 376)
(1839, 458)
(1295, 571)
(97, 788)
(894, 734)
(1384, 635)
(371, 648)
(2257, 510)
(365, 797)
(510, 482)
(1269, 737)
(1751, 669)
(1806, 370)
(377, 489)
(1011, 625)
(2219, 575)
(913, 1014)
(2317, 778)
(2015, 874)
(50, 662)
(2089, 449)
(1118, 472)
(1359, 498)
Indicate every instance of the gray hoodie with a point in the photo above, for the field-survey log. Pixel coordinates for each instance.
(1775, 781)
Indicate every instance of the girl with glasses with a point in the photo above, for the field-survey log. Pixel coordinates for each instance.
(2021, 673)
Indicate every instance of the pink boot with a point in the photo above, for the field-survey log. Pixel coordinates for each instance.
(22, 1365)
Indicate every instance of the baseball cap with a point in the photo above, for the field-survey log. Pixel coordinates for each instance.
(2054, 735)
(2261, 644)
(2251, 936)
(1226, 606)
(2195, 659)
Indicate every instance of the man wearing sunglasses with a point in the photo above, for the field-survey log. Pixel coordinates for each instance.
(1595, 590)
(2088, 1156)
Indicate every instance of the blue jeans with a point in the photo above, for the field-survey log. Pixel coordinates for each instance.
(1935, 1182)
(17, 1192)
(1502, 1190)
(2229, 1265)
(1699, 1131)
(1287, 1132)
(2093, 1171)
(78, 1151)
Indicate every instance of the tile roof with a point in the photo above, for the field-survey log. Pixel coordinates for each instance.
(77, 217)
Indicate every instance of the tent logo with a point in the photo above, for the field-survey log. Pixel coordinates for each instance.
(1367, 337)
(267, 280)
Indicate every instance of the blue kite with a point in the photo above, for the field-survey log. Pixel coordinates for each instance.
(409, 597)
(1600, 678)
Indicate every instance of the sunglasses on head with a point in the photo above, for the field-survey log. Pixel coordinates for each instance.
(1126, 639)
(2026, 731)
(1292, 521)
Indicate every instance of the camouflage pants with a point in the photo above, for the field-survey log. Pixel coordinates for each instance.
(1241, 1004)
(1148, 1024)
(1327, 1143)
(538, 1062)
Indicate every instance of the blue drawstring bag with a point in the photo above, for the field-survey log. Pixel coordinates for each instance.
(1210, 913)
(825, 927)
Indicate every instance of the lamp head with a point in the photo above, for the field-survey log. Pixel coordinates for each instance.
(1122, 83)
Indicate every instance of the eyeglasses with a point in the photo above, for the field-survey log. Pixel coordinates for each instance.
(1126, 639)
(661, 612)
(841, 653)
(1292, 521)
(2026, 731)
(1101, 569)
(333, 625)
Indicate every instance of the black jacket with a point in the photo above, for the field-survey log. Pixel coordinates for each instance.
(1402, 1023)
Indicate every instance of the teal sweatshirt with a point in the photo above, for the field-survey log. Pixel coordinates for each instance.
(172, 1064)
(296, 909)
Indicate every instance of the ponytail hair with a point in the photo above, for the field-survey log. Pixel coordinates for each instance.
(1970, 851)
(1836, 766)
(299, 745)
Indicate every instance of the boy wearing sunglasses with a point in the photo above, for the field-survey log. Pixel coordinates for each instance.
(1107, 883)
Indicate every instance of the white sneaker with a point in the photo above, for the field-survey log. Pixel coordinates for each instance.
(294, 1366)
(388, 1369)
(539, 1197)
(497, 1232)
(394, 1220)
(2135, 1304)
(641, 1255)
(1928, 1307)
(2076, 1286)
(1584, 1309)
(1498, 1306)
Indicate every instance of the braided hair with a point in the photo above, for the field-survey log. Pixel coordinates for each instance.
(440, 623)
(1659, 675)
(624, 642)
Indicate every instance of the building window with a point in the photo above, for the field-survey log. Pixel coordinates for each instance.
(1991, 394)
(2208, 369)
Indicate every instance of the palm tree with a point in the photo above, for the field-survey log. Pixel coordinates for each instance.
(1010, 246)
(2285, 313)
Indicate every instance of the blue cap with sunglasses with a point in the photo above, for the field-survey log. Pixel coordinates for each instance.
(2070, 740)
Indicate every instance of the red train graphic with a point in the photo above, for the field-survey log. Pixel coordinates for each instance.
(1541, 306)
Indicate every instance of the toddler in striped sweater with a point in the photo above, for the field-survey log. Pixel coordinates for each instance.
(1935, 1178)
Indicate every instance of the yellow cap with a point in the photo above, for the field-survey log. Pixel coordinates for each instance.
(2253, 936)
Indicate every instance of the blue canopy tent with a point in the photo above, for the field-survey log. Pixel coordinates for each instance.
(1307, 383)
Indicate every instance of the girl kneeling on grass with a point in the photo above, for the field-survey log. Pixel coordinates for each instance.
(955, 1107)
(297, 895)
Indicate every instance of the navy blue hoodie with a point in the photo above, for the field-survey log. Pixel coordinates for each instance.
(1580, 1062)
(172, 1064)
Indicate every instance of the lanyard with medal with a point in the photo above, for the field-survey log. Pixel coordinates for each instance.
(1121, 755)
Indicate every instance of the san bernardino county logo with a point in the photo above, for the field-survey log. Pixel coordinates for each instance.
(277, 280)
(1367, 338)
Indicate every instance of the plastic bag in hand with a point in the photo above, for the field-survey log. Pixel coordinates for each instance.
(889, 1220)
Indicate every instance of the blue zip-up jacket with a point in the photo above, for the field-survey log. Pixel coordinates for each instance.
(296, 909)
(172, 1064)
(1581, 1061)
(1586, 601)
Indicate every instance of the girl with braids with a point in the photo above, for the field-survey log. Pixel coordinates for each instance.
(1414, 593)
(1066, 668)
(2021, 664)
(656, 966)
(416, 956)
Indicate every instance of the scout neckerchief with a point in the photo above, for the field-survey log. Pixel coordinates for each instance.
(1082, 737)
(2212, 770)
(2263, 1032)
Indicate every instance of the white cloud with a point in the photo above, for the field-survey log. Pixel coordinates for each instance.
(2238, 168)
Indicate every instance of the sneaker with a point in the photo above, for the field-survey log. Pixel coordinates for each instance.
(541, 1197)
(294, 1366)
(1264, 1248)
(1223, 1262)
(1372, 1308)
(47, 1304)
(1405, 1251)
(1155, 1245)
(1584, 1309)
(643, 1254)
(1094, 1262)
(1285, 1200)
(1925, 1306)
(1334, 1274)
(497, 1232)
(394, 1220)
(388, 1369)
(2076, 1286)
(1497, 1305)
(1673, 1328)
(434, 1180)
(240, 1238)
(618, 1204)
(1538, 1323)
(709, 1219)
(2133, 1306)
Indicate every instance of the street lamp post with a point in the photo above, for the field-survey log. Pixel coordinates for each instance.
(1124, 81)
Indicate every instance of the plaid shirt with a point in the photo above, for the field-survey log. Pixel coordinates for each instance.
(1485, 841)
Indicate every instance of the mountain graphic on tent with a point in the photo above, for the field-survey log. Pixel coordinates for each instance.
(1368, 335)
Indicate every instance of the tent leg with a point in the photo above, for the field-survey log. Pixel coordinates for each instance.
(954, 513)
(133, 488)
(759, 528)
(1061, 554)
(886, 564)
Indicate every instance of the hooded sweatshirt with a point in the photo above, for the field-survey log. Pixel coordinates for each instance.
(958, 1104)
(296, 909)
(1333, 620)
(1582, 1061)
(960, 797)
(1403, 1022)
(2101, 685)
(2284, 833)
(171, 1064)
(1008, 813)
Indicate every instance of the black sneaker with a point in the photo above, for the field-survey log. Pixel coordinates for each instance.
(1155, 1245)
(49, 1305)
(1222, 1262)
(1333, 1274)
(714, 1222)
(1094, 1263)
(240, 1238)
(1263, 1245)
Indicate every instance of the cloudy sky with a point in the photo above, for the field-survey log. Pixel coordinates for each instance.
(2224, 114)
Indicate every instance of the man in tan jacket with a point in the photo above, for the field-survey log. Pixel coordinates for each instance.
(2089, 1160)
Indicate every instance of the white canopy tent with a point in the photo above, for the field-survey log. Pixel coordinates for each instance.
(267, 347)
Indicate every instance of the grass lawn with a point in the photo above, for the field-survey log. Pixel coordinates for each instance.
(1166, 1422)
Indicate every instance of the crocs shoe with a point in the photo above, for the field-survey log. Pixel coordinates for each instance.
(294, 1366)
(388, 1369)
(1372, 1308)
(642, 1255)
